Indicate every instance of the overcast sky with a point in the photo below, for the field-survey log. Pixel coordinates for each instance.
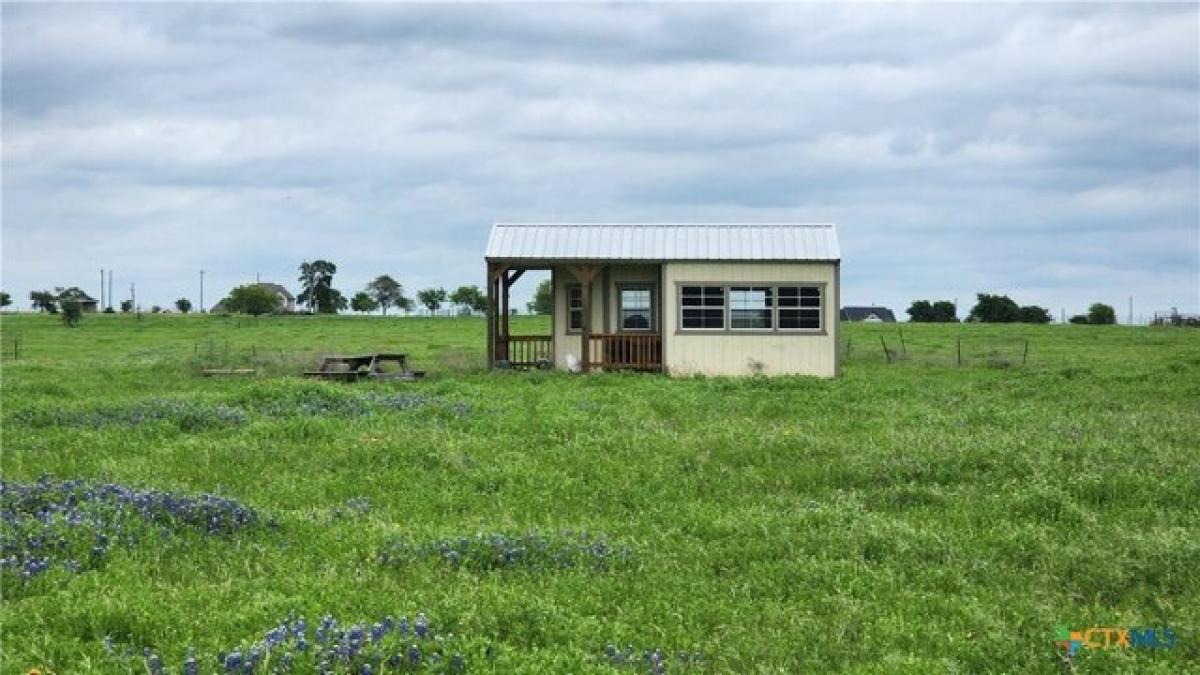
(1050, 152)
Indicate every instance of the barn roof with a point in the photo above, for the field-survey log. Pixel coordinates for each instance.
(664, 241)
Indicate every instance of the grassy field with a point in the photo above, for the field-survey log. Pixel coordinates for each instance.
(913, 516)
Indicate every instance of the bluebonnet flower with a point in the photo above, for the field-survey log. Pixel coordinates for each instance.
(190, 666)
(414, 656)
(422, 626)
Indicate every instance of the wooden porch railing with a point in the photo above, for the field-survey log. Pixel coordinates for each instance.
(525, 351)
(626, 351)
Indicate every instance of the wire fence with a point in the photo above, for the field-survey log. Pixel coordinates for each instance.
(949, 351)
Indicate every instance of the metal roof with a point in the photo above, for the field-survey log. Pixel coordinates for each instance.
(663, 241)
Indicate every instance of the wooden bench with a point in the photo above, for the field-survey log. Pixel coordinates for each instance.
(354, 368)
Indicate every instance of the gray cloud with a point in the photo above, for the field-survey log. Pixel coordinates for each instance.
(1048, 151)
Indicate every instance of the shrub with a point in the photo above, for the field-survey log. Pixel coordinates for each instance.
(1101, 314)
(72, 311)
(1079, 319)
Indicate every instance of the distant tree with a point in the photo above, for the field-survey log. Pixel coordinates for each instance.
(995, 309)
(318, 294)
(1035, 314)
(183, 305)
(44, 301)
(1079, 318)
(944, 311)
(126, 306)
(1101, 314)
(72, 311)
(470, 297)
(432, 298)
(362, 302)
(387, 292)
(923, 311)
(109, 310)
(155, 309)
(5, 299)
(406, 304)
(543, 299)
(252, 299)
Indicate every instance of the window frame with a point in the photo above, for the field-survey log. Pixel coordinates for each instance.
(775, 329)
(567, 288)
(653, 310)
(679, 286)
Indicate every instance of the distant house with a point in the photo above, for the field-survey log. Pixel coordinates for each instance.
(686, 298)
(86, 302)
(287, 301)
(868, 314)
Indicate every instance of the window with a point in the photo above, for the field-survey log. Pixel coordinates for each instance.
(702, 307)
(574, 307)
(635, 308)
(750, 307)
(794, 307)
(800, 307)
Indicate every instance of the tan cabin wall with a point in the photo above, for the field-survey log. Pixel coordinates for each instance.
(731, 353)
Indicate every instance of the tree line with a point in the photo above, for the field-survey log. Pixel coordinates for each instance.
(1002, 309)
(319, 296)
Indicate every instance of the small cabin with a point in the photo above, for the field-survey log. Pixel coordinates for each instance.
(685, 299)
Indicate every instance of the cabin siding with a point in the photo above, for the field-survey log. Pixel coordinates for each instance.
(731, 353)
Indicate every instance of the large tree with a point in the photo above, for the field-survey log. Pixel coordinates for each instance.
(183, 305)
(252, 299)
(432, 298)
(362, 302)
(1035, 314)
(1100, 313)
(5, 299)
(44, 301)
(387, 292)
(316, 282)
(470, 297)
(543, 299)
(995, 309)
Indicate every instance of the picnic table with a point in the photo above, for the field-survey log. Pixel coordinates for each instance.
(354, 368)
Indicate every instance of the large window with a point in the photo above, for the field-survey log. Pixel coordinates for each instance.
(574, 307)
(750, 307)
(774, 308)
(800, 307)
(702, 307)
(635, 310)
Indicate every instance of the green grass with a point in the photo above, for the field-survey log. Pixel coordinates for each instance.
(911, 517)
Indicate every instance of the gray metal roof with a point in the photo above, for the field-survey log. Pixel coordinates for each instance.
(663, 241)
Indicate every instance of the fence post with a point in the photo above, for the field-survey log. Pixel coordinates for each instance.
(960, 351)
(903, 348)
(1025, 354)
(886, 353)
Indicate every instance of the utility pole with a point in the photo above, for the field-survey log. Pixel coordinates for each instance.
(201, 291)
(1131, 310)
(1062, 314)
(110, 299)
(132, 297)
(102, 288)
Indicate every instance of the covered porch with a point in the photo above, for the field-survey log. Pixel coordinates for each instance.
(603, 317)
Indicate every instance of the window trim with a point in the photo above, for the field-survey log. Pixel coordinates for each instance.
(653, 288)
(821, 286)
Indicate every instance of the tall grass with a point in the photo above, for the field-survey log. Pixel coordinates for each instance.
(912, 516)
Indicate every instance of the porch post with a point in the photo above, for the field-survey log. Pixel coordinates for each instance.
(491, 317)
